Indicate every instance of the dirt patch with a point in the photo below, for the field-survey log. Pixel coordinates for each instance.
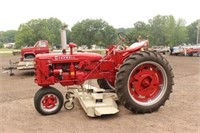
(181, 113)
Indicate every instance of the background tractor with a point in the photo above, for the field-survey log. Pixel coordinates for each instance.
(142, 80)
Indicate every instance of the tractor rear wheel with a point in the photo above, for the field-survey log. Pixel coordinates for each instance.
(144, 82)
(48, 101)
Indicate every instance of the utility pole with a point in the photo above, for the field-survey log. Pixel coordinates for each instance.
(198, 26)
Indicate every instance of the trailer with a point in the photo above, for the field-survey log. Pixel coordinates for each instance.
(26, 64)
(186, 50)
(161, 49)
(192, 50)
(27, 57)
(178, 50)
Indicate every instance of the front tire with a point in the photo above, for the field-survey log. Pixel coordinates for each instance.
(48, 101)
(144, 82)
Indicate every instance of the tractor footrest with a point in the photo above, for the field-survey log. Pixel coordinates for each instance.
(98, 98)
(105, 110)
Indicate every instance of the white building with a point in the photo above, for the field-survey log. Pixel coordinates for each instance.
(9, 45)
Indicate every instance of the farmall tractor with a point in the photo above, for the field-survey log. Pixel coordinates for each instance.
(139, 79)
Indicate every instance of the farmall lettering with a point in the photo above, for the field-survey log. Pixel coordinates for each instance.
(142, 80)
(64, 57)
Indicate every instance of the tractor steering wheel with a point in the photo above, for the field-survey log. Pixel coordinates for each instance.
(124, 37)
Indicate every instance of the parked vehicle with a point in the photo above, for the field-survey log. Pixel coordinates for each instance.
(27, 57)
(40, 47)
(186, 50)
(178, 50)
(192, 50)
(161, 49)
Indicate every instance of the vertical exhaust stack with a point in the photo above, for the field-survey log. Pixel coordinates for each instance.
(63, 37)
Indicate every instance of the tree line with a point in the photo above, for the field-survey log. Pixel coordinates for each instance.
(160, 30)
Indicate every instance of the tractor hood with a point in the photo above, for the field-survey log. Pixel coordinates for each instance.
(75, 57)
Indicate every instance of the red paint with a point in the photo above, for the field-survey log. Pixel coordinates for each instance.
(145, 82)
(49, 102)
(79, 67)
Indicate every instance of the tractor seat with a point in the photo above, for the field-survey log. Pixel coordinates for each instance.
(138, 45)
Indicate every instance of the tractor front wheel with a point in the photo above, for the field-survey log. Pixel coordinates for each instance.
(48, 101)
(144, 82)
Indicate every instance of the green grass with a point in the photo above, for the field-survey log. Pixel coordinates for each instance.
(5, 51)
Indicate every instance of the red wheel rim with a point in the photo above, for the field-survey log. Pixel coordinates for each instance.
(49, 102)
(147, 83)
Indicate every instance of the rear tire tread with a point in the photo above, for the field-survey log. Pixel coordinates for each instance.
(136, 58)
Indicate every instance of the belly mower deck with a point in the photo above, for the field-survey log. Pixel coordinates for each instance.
(95, 101)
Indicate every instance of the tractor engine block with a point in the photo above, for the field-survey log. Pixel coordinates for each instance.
(74, 69)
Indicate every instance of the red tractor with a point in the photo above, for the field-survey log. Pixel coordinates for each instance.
(141, 79)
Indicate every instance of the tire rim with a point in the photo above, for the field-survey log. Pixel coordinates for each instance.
(147, 83)
(49, 103)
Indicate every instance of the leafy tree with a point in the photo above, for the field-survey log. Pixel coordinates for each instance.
(157, 29)
(1, 39)
(121, 30)
(165, 30)
(180, 34)
(192, 32)
(39, 29)
(68, 32)
(89, 32)
(7, 37)
(170, 29)
(130, 32)
(141, 29)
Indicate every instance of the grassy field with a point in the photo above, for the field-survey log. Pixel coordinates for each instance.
(5, 50)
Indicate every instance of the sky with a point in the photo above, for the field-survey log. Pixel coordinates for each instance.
(118, 13)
